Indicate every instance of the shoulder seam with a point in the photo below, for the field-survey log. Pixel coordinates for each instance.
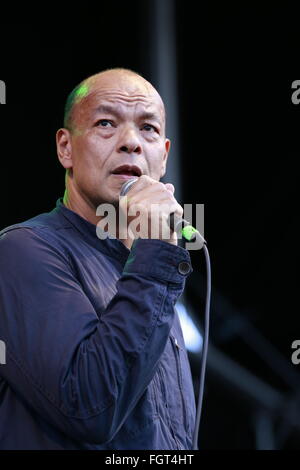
(43, 234)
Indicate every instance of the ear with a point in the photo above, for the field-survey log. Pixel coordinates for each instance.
(165, 157)
(64, 147)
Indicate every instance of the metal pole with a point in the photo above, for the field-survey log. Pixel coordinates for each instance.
(164, 77)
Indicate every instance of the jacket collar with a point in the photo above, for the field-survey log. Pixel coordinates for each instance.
(108, 246)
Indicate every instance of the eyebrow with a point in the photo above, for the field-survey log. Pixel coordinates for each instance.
(105, 109)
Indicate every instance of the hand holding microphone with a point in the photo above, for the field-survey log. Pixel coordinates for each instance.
(174, 220)
(153, 202)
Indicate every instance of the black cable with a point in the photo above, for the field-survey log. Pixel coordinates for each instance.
(204, 348)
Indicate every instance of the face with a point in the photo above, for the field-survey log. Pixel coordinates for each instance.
(118, 132)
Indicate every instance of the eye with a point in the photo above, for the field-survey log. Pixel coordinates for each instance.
(149, 128)
(105, 123)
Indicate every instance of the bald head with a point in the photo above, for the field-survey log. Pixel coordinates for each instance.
(81, 95)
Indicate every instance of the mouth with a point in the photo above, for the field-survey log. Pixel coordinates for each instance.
(127, 171)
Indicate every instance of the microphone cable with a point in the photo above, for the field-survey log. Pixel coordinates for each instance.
(203, 360)
(190, 233)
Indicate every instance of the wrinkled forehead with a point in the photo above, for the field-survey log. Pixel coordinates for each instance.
(123, 93)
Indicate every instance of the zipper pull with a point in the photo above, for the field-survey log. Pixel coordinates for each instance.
(176, 344)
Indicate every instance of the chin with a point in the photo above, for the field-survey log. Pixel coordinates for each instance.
(112, 197)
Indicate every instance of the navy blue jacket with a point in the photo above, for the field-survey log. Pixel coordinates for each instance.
(95, 357)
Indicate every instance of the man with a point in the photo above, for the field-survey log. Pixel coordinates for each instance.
(95, 357)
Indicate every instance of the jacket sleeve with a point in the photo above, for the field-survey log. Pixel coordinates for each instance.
(82, 374)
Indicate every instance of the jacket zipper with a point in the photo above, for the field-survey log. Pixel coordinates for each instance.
(177, 348)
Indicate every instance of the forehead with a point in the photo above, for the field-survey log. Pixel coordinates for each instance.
(119, 92)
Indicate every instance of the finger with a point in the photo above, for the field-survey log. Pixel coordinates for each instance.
(170, 187)
(142, 182)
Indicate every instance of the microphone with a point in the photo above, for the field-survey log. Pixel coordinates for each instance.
(127, 185)
(177, 224)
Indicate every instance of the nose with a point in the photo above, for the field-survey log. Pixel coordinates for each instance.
(129, 141)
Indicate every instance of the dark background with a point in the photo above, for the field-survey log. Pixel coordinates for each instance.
(239, 138)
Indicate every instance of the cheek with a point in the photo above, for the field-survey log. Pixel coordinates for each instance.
(90, 152)
(156, 164)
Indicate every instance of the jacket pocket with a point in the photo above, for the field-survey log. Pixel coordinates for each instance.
(177, 353)
(160, 395)
(163, 405)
